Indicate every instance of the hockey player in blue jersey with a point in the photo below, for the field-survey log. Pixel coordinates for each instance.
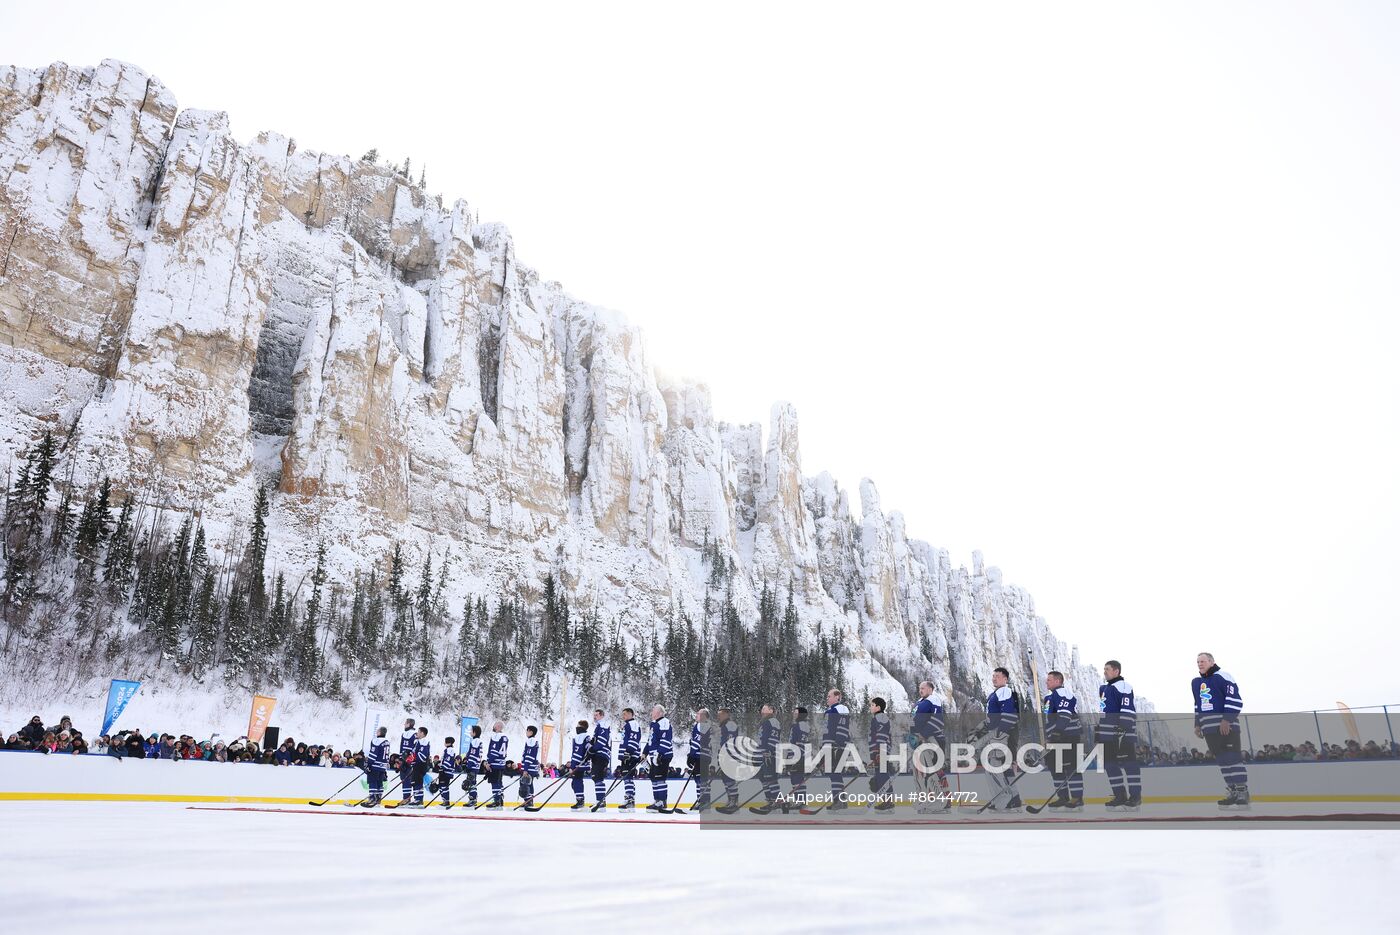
(799, 736)
(699, 759)
(578, 762)
(836, 734)
(422, 761)
(880, 740)
(407, 741)
(770, 732)
(629, 752)
(728, 740)
(600, 758)
(377, 766)
(1117, 731)
(928, 729)
(1003, 719)
(660, 749)
(471, 764)
(497, 746)
(1216, 696)
(1061, 712)
(529, 765)
(447, 771)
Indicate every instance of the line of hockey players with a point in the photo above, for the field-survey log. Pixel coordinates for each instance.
(1216, 697)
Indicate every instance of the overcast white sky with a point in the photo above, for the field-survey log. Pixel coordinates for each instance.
(1106, 291)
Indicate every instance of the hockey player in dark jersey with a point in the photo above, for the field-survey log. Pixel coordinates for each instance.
(407, 741)
(497, 746)
(799, 735)
(660, 749)
(529, 765)
(600, 758)
(447, 771)
(578, 762)
(928, 730)
(699, 759)
(880, 740)
(470, 760)
(1117, 731)
(376, 766)
(422, 761)
(769, 734)
(629, 751)
(728, 738)
(836, 734)
(1061, 713)
(1003, 718)
(1218, 704)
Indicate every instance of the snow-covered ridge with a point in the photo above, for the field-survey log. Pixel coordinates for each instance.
(198, 316)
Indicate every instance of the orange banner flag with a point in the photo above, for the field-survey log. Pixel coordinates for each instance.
(546, 733)
(262, 713)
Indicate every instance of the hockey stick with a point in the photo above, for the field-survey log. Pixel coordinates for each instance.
(1060, 786)
(557, 786)
(541, 792)
(834, 798)
(338, 791)
(677, 807)
(604, 800)
(493, 794)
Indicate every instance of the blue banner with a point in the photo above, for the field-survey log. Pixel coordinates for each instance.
(117, 696)
(467, 723)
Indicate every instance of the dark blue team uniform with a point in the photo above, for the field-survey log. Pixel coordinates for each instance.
(1217, 699)
(1117, 731)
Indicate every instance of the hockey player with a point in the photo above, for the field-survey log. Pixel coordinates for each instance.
(1218, 707)
(407, 741)
(699, 759)
(422, 760)
(928, 729)
(471, 764)
(447, 771)
(728, 740)
(660, 749)
(769, 733)
(376, 766)
(629, 750)
(578, 762)
(880, 739)
(1003, 717)
(529, 766)
(1117, 731)
(1061, 713)
(496, 748)
(600, 758)
(835, 735)
(799, 735)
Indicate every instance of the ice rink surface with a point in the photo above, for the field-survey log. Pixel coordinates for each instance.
(116, 867)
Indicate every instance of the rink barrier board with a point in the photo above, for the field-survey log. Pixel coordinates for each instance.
(35, 777)
(275, 800)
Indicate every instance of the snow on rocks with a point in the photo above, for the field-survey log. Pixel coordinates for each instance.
(204, 315)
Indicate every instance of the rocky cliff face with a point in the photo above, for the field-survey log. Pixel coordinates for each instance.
(198, 316)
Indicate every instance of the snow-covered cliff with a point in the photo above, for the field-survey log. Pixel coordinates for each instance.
(199, 316)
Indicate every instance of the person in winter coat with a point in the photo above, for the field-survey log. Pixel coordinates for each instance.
(135, 746)
(33, 732)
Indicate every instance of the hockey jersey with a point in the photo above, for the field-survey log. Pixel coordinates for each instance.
(602, 740)
(700, 740)
(660, 742)
(880, 733)
(1117, 711)
(578, 752)
(1217, 697)
(769, 733)
(631, 745)
(1061, 712)
(838, 725)
(471, 760)
(1003, 711)
(448, 765)
(496, 751)
(530, 756)
(928, 720)
(377, 756)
